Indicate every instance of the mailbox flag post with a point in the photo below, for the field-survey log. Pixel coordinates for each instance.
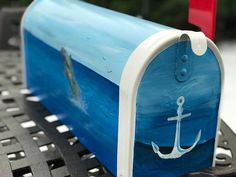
(202, 13)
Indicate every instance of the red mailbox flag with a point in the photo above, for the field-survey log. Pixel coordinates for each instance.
(202, 13)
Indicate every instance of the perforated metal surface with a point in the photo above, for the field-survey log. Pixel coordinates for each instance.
(35, 143)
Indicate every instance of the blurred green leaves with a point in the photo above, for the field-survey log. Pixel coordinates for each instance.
(14, 2)
(173, 13)
(226, 21)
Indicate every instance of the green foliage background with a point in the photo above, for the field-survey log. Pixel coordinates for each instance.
(14, 2)
(169, 12)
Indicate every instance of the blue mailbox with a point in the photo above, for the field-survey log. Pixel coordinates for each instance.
(143, 97)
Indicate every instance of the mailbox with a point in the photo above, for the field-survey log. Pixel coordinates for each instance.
(143, 97)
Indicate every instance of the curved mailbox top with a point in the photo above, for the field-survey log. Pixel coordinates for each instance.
(111, 36)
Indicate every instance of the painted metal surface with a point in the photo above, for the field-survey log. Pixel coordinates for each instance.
(82, 25)
(176, 121)
(74, 61)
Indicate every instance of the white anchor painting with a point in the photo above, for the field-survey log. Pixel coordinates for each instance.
(177, 151)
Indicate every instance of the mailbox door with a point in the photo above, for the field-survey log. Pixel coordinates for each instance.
(176, 119)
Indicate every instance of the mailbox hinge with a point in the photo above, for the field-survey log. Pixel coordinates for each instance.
(198, 44)
(183, 63)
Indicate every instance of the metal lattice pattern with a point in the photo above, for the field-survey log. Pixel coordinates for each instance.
(32, 142)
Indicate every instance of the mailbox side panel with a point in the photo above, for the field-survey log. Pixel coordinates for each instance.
(161, 142)
(83, 100)
(74, 57)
